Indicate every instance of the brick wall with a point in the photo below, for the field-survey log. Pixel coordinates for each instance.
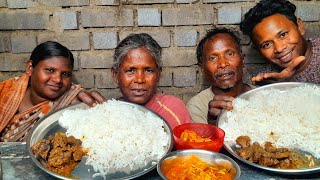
(92, 29)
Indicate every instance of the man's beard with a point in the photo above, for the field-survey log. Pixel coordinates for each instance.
(227, 87)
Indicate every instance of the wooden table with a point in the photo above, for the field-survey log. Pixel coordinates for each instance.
(16, 164)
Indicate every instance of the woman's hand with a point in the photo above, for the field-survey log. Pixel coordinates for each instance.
(90, 98)
(219, 103)
(285, 74)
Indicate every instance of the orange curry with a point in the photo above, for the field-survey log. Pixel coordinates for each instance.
(192, 167)
(191, 136)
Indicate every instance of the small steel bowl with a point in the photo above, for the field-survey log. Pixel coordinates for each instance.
(207, 156)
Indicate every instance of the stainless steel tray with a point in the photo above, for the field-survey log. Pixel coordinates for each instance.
(230, 146)
(49, 125)
(207, 156)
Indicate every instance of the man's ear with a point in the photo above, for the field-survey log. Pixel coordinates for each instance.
(114, 75)
(201, 67)
(301, 27)
(29, 68)
(243, 56)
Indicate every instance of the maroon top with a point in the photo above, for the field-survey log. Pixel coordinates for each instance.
(312, 72)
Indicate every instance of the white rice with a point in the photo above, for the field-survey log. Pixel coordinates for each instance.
(292, 115)
(116, 135)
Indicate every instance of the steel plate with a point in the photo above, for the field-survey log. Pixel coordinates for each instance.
(205, 155)
(49, 125)
(230, 146)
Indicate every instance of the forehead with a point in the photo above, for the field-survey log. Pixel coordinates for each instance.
(56, 61)
(271, 26)
(221, 42)
(138, 56)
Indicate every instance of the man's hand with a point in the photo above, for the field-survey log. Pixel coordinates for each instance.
(90, 98)
(219, 103)
(283, 75)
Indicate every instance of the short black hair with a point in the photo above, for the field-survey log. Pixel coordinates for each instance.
(264, 9)
(48, 50)
(212, 33)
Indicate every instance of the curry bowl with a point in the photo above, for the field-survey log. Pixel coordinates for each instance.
(198, 136)
(217, 160)
(49, 125)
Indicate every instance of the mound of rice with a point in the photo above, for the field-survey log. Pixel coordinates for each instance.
(116, 135)
(293, 116)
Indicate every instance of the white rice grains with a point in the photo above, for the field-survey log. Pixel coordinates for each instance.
(293, 116)
(116, 135)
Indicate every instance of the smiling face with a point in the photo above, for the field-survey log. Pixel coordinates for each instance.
(222, 61)
(137, 76)
(50, 78)
(279, 39)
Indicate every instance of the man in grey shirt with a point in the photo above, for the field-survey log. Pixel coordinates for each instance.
(220, 58)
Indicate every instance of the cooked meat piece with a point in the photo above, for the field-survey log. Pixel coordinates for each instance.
(257, 146)
(245, 153)
(282, 149)
(60, 140)
(284, 164)
(266, 161)
(256, 155)
(252, 153)
(280, 155)
(269, 147)
(41, 149)
(77, 155)
(58, 157)
(243, 141)
(73, 141)
(59, 153)
(258, 151)
(268, 155)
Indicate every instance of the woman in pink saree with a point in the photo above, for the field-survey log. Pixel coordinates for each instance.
(136, 69)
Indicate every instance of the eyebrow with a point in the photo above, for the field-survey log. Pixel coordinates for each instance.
(281, 31)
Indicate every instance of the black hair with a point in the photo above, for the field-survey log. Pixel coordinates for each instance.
(50, 49)
(212, 33)
(134, 41)
(264, 9)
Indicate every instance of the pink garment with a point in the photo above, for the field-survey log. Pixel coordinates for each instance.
(170, 108)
